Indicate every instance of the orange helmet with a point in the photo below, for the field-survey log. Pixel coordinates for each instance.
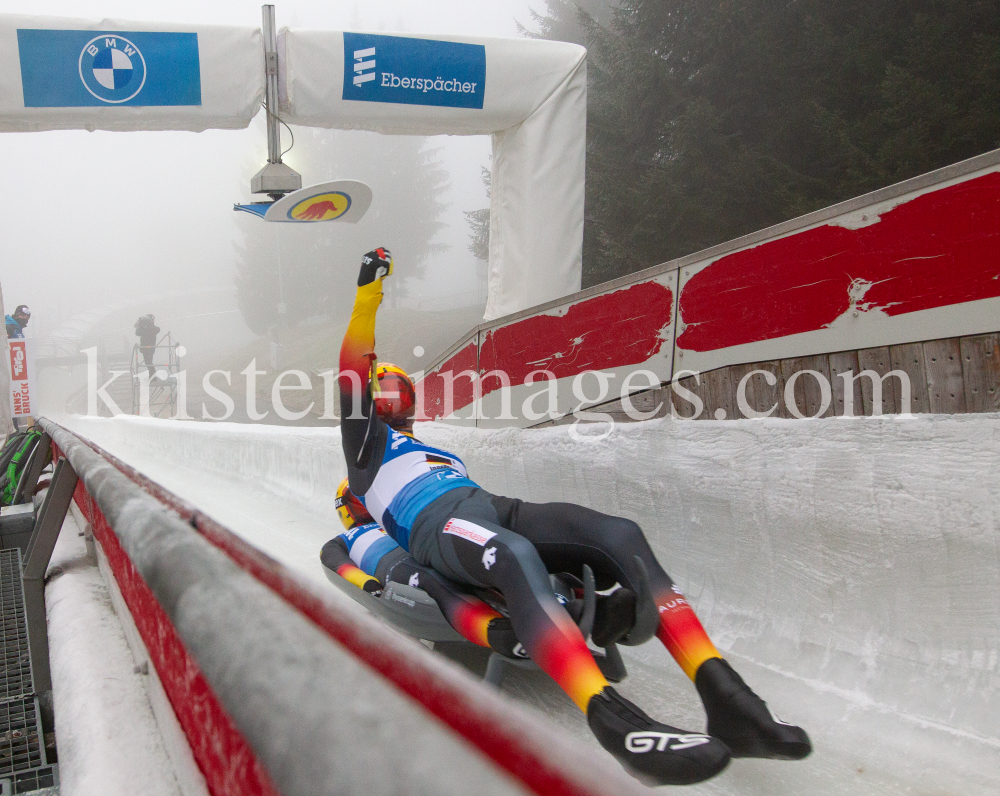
(352, 512)
(395, 398)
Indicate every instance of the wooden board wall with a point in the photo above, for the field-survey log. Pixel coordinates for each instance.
(950, 376)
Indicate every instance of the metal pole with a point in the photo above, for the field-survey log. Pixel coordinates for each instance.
(43, 540)
(32, 470)
(6, 427)
(271, 85)
(276, 178)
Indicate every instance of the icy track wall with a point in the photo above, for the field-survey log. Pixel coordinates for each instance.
(917, 261)
(861, 556)
(276, 690)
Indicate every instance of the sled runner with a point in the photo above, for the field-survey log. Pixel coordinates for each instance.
(412, 611)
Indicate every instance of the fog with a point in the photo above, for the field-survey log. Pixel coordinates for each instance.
(103, 227)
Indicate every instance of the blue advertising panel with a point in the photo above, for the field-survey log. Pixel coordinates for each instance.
(80, 68)
(413, 71)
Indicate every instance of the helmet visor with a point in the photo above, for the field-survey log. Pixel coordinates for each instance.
(395, 401)
(351, 511)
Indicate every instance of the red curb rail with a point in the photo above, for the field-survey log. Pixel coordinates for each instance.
(512, 743)
(223, 755)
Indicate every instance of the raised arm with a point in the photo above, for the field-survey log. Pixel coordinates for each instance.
(357, 355)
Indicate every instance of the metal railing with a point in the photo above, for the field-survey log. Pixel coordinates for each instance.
(25, 679)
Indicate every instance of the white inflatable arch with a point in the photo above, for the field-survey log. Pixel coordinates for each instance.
(530, 95)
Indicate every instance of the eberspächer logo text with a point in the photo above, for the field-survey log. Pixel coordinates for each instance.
(413, 71)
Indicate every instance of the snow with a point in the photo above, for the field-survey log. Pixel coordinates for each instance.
(108, 740)
(849, 568)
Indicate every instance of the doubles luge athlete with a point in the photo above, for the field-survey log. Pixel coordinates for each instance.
(423, 498)
(367, 557)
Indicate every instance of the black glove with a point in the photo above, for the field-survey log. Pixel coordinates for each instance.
(376, 264)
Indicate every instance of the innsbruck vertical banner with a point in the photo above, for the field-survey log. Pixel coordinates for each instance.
(22, 379)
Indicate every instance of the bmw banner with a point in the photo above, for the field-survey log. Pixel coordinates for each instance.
(73, 68)
(127, 76)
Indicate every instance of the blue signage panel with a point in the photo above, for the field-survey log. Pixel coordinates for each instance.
(81, 68)
(413, 71)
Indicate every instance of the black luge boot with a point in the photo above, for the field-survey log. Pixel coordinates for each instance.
(740, 719)
(614, 617)
(653, 752)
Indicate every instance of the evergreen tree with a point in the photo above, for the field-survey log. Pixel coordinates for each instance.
(569, 20)
(479, 223)
(256, 288)
(708, 120)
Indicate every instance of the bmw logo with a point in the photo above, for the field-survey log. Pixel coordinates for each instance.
(112, 68)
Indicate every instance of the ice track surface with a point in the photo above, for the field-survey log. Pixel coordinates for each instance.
(849, 568)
